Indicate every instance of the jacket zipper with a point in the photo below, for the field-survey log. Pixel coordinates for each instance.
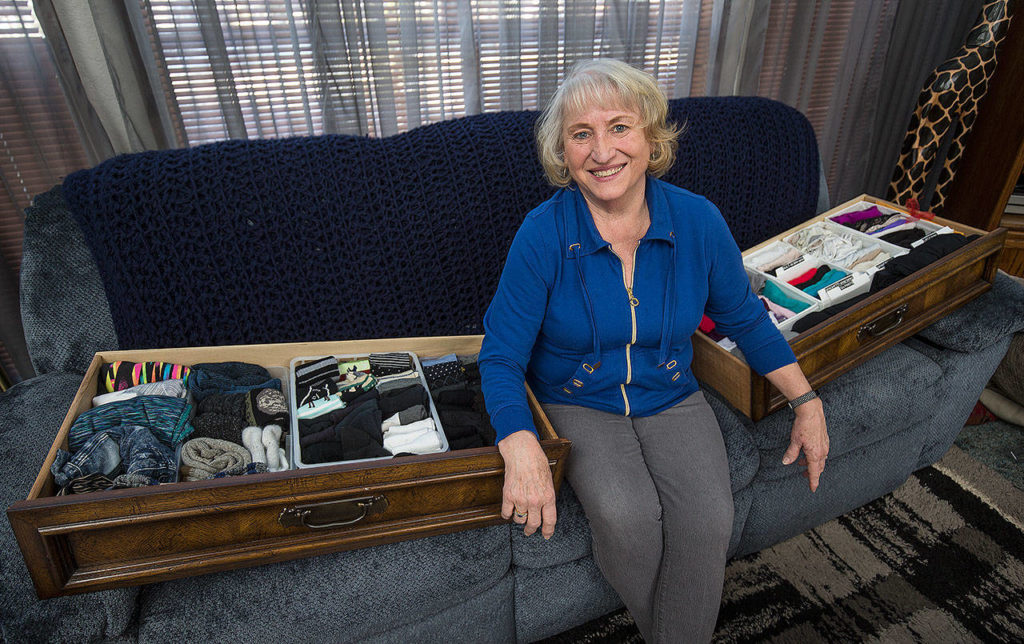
(633, 303)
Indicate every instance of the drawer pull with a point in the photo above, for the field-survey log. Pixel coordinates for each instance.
(333, 513)
(882, 325)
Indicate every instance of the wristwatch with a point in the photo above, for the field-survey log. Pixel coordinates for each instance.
(799, 400)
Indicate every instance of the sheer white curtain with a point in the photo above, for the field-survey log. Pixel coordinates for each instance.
(255, 68)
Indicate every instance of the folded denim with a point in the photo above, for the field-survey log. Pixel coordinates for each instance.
(228, 378)
(167, 418)
(142, 454)
(202, 458)
(100, 454)
(127, 449)
(174, 388)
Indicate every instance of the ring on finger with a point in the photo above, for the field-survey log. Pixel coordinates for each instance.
(520, 514)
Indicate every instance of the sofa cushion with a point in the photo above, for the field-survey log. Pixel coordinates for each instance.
(63, 306)
(560, 597)
(30, 415)
(982, 321)
(883, 395)
(352, 594)
(744, 459)
(571, 540)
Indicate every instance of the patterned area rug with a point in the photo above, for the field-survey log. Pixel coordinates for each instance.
(941, 559)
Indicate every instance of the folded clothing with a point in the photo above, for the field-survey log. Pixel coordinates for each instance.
(462, 413)
(228, 378)
(174, 388)
(904, 238)
(830, 277)
(124, 374)
(396, 400)
(775, 293)
(202, 458)
(443, 371)
(356, 435)
(316, 380)
(930, 251)
(167, 418)
(355, 385)
(386, 364)
(420, 437)
(126, 450)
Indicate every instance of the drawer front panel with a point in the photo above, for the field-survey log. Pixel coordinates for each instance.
(129, 537)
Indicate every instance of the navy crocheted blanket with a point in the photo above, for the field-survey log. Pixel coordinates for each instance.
(343, 237)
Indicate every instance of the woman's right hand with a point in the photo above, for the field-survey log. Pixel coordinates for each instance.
(528, 497)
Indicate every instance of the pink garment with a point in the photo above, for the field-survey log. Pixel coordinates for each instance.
(781, 312)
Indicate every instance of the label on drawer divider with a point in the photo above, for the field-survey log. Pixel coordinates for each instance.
(796, 267)
(852, 284)
(945, 230)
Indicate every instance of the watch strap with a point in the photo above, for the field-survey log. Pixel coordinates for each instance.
(799, 400)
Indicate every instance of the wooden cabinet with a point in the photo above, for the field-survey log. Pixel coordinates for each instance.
(994, 156)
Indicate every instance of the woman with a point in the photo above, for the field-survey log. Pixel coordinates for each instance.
(604, 284)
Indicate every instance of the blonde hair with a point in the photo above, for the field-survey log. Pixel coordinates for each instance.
(608, 82)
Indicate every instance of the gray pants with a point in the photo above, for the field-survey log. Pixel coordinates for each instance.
(656, 492)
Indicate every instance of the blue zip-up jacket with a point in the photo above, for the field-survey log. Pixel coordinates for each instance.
(563, 320)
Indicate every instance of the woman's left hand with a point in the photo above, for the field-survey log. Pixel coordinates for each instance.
(809, 436)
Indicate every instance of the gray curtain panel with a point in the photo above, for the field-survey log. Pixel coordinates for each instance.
(923, 37)
(110, 82)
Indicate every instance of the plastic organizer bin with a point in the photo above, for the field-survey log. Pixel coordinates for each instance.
(295, 453)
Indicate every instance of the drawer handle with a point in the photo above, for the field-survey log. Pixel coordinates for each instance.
(333, 514)
(882, 325)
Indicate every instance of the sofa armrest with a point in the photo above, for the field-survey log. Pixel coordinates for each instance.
(64, 308)
(983, 321)
(30, 414)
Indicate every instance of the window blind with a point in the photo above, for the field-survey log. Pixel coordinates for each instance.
(39, 144)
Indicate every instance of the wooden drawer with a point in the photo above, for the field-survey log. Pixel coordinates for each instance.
(100, 540)
(865, 329)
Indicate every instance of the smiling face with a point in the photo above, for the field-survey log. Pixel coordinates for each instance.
(607, 153)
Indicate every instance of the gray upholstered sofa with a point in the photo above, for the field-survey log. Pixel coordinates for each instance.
(897, 412)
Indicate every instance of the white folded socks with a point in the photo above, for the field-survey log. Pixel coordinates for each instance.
(265, 446)
(420, 437)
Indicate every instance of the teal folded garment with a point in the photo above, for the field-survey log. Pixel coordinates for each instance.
(830, 277)
(775, 294)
